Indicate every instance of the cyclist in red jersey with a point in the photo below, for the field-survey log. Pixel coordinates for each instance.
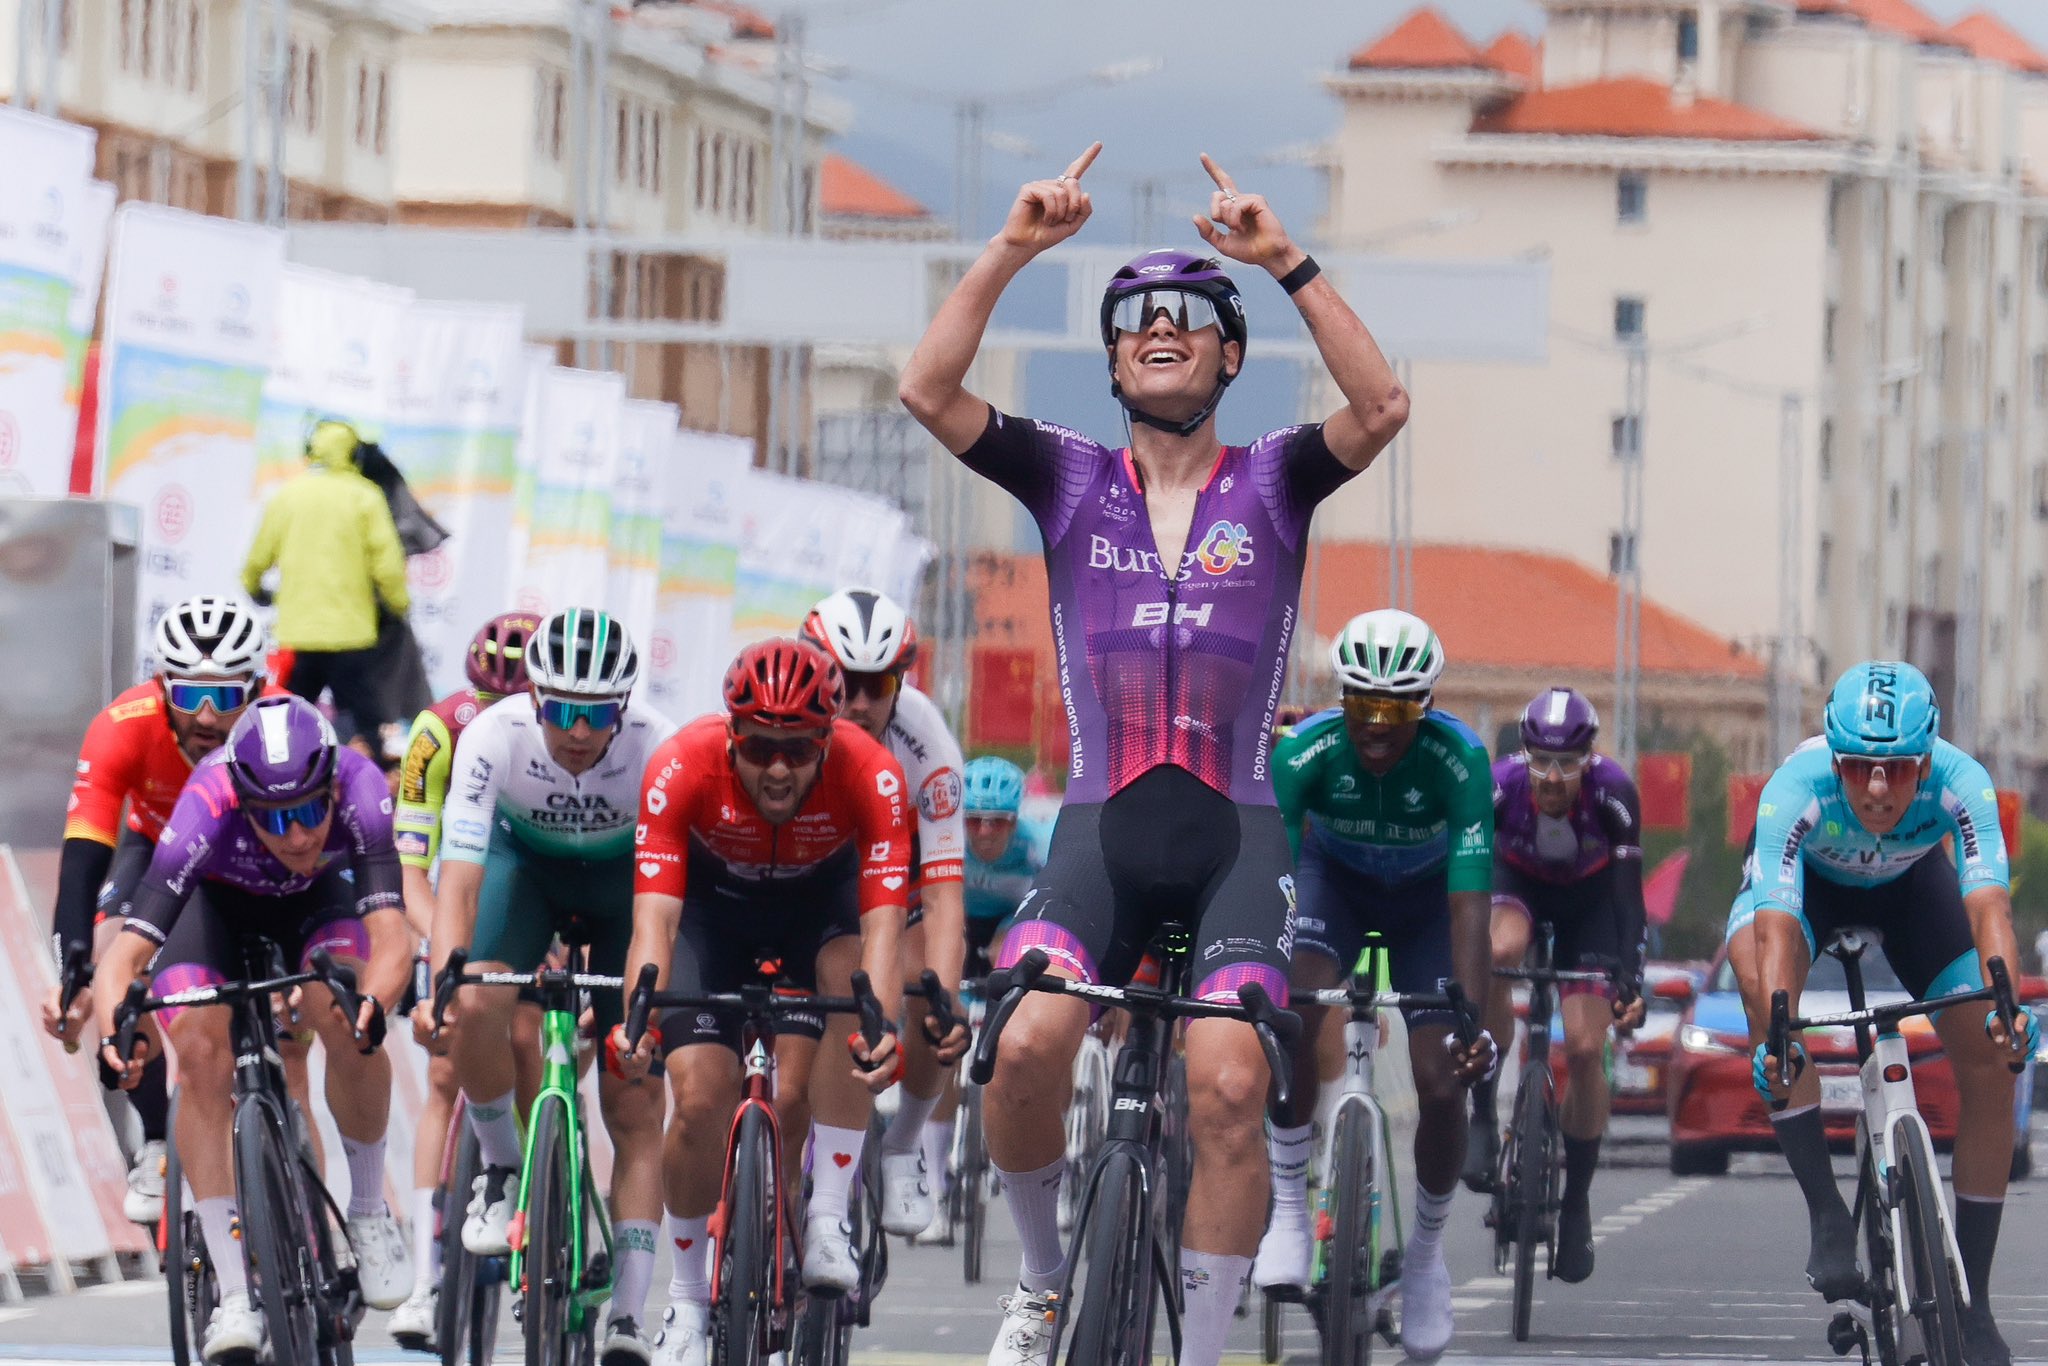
(139, 751)
(777, 832)
(1175, 568)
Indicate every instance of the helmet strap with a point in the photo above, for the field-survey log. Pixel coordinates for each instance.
(1187, 428)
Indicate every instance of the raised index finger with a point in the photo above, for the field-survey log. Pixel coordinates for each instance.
(1082, 162)
(1218, 174)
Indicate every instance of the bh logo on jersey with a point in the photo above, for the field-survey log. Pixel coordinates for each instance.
(1227, 546)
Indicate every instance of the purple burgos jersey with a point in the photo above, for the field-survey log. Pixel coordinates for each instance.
(1604, 825)
(209, 840)
(1157, 669)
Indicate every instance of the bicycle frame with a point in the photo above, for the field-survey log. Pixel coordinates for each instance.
(757, 1092)
(1355, 1091)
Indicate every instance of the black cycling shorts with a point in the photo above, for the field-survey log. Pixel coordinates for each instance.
(1920, 914)
(206, 944)
(1167, 847)
(1340, 905)
(1583, 919)
(725, 935)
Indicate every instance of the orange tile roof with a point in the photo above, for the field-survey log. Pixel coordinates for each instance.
(1902, 17)
(1513, 53)
(1425, 40)
(746, 23)
(1994, 40)
(849, 189)
(1633, 108)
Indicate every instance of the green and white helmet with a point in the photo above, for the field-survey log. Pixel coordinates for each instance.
(582, 652)
(1388, 651)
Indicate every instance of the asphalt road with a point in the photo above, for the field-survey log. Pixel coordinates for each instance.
(1690, 1269)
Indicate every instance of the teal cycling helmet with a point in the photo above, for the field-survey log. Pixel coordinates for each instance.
(992, 786)
(1882, 709)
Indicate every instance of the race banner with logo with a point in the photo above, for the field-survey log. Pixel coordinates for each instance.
(189, 310)
(88, 270)
(647, 441)
(336, 353)
(49, 164)
(454, 432)
(703, 509)
(792, 550)
(568, 518)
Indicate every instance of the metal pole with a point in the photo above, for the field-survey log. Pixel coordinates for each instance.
(53, 51)
(1628, 655)
(245, 171)
(1406, 472)
(579, 155)
(24, 37)
(280, 76)
(609, 148)
(960, 169)
(1970, 598)
(1785, 671)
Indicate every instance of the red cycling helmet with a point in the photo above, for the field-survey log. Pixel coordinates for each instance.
(785, 682)
(496, 661)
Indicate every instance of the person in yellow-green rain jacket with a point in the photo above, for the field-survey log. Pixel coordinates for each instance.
(330, 536)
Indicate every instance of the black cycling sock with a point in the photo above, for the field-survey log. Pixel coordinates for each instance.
(1581, 1155)
(1805, 1145)
(1483, 1107)
(1977, 1239)
(152, 1101)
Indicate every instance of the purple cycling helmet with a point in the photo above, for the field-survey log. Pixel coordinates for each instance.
(1167, 269)
(1560, 721)
(282, 750)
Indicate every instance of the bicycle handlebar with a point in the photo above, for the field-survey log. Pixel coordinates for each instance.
(74, 974)
(339, 979)
(2002, 1001)
(756, 1001)
(940, 1007)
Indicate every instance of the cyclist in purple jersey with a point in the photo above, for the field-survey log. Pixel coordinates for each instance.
(285, 833)
(1174, 567)
(1567, 851)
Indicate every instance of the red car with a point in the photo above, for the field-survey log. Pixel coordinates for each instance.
(1642, 1060)
(1714, 1109)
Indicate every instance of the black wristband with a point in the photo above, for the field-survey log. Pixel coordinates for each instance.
(1294, 280)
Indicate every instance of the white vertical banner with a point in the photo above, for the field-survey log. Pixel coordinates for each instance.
(47, 165)
(647, 438)
(189, 316)
(569, 522)
(791, 550)
(454, 432)
(336, 356)
(536, 361)
(703, 507)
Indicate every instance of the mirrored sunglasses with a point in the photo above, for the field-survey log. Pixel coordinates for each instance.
(563, 714)
(1188, 312)
(796, 751)
(189, 695)
(880, 687)
(1857, 770)
(1378, 709)
(278, 820)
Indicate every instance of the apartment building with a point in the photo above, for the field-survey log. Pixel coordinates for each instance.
(1833, 203)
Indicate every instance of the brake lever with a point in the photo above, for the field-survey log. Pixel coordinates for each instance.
(873, 1023)
(1464, 1020)
(939, 1002)
(127, 1022)
(340, 980)
(1271, 1023)
(445, 985)
(640, 1006)
(1006, 988)
(1779, 1044)
(2008, 1009)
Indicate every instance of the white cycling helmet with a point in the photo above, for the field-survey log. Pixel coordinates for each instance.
(209, 637)
(1388, 651)
(582, 652)
(866, 631)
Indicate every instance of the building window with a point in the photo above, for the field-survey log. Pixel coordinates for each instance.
(195, 46)
(540, 111)
(1628, 318)
(362, 105)
(2040, 378)
(1621, 553)
(1623, 441)
(1998, 528)
(697, 171)
(2004, 299)
(383, 106)
(291, 85)
(718, 173)
(312, 90)
(753, 179)
(1930, 580)
(1688, 38)
(1900, 270)
(622, 145)
(1837, 191)
(2040, 482)
(2037, 596)
(1823, 561)
(1632, 197)
(654, 153)
(1892, 505)
(1827, 448)
(1827, 333)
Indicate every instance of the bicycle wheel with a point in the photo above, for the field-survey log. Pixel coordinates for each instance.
(275, 1237)
(1348, 1259)
(1087, 1123)
(1535, 1129)
(188, 1270)
(1112, 1285)
(746, 1273)
(472, 1287)
(1878, 1260)
(549, 1259)
(970, 1185)
(1180, 1155)
(1931, 1296)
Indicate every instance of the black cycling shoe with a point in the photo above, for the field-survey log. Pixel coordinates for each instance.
(1482, 1155)
(1831, 1264)
(1982, 1344)
(1574, 1242)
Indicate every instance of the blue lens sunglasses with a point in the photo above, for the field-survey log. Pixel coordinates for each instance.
(279, 820)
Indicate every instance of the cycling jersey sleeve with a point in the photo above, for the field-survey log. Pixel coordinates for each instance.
(1469, 813)
(1786, 813)
(193, 832)
(1970, 803)
(661, 840)
(1621, 817)
(80, 871)
(1296, 471)
(1294, 777)
(365, 811)
(472, 804)
(422, 790)
(109, 766)
(883, 825)
(941, 825)
(1015, 453)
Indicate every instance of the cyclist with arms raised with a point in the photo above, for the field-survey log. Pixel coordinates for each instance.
(1389, 803)
(875, 643)
(1848, 833)
(1175, 568)
(140, 750)
(537, 836)
(286, 833)
(1568, 852)
(777, 832)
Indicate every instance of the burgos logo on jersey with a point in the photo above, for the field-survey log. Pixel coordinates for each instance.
(1226, 546)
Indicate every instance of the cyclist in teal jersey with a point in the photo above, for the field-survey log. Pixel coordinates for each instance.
(1389, 804)
(1844, 831)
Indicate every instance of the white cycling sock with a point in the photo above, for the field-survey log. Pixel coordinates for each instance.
(1210, 1284)
(835, 1158)
(426, 1244)
(911, 1112)
(689, 1275)
(365, 1176)
(1288, 1151)
(1432, 1212)
(938, 1150)
(633, 1260)
(1034, 1200)
(497, 1128)
(223, 1249)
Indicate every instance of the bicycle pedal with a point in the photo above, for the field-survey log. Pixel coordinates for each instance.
(1390, 1266)
(1384, 1326)
(1845, 1334)
(1286, 1294)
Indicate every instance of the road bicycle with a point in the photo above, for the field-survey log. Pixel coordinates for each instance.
(1358, 1239)
(1527, 1179)
(1914, 1292)
(1123, 1262)
(561, 1239)
(969, 1175)
(472, 1287)
(302, 1270)
(754, 1305)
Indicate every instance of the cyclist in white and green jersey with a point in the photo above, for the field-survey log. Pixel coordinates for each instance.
(537, 831)
(1389, 804)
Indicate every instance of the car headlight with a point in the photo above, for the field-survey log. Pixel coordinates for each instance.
(1701, 1040)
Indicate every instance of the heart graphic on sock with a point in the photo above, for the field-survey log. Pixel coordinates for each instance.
(841, 1159)
(685, 1244)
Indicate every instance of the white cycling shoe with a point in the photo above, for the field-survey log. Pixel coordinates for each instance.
(685, 1336)
(487, 1223)
(1284, 1255)
(415, 1323)
(235, 1330)
(144, 1201)
(1025, 1339)
(1426, 1322)
(829, 1262)
(383, 1259)
(907, 1205)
